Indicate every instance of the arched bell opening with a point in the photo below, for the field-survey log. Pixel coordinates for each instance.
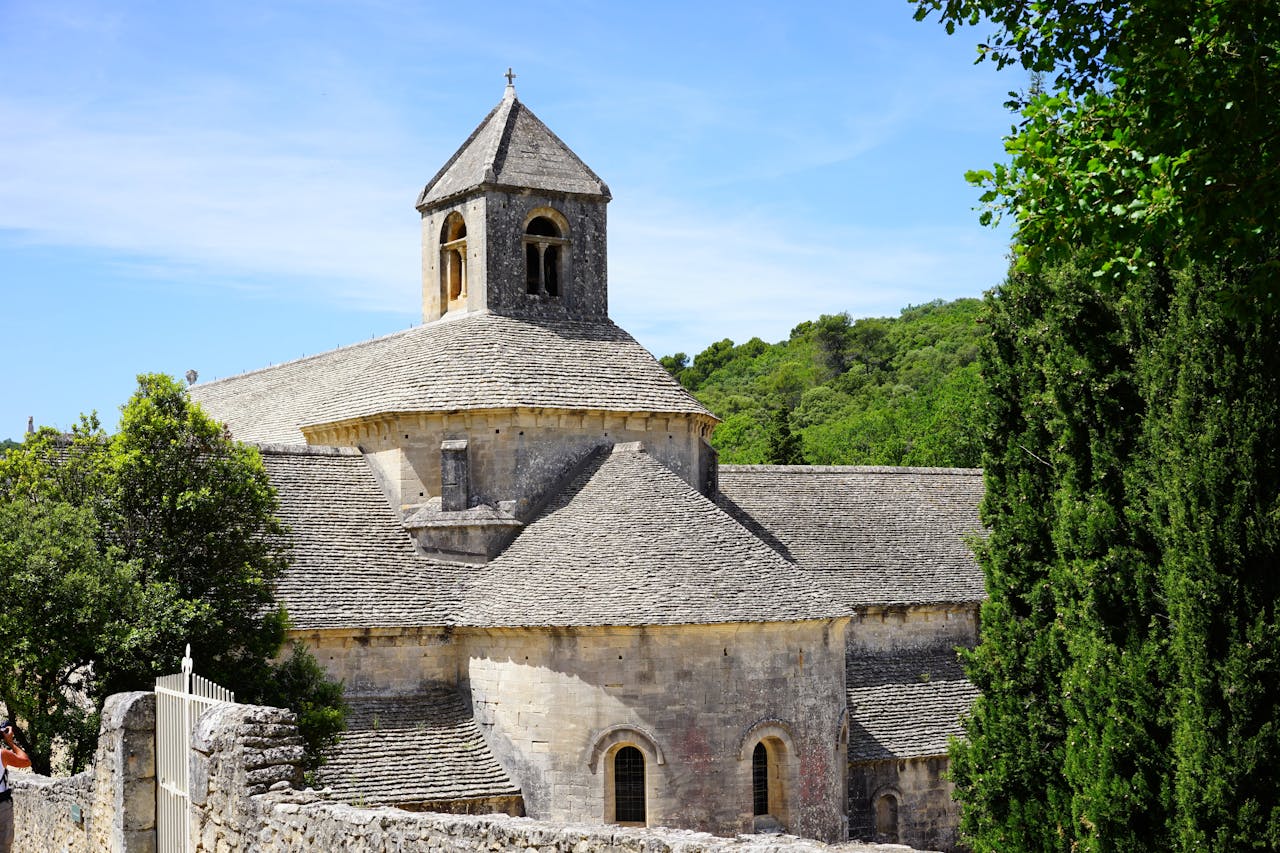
(453, 262)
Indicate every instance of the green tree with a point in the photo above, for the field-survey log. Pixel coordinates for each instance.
(163, 534)
(65, 602)
(888, 391)
(1143, 181)
(784, 445)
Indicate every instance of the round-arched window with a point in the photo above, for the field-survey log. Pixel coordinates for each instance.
(453, 259)
(544, 244)
(628, 785)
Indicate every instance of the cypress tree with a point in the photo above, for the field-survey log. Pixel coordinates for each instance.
(1007, 773)
(1214, 433)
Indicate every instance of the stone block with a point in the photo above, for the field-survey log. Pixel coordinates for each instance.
(139, 805)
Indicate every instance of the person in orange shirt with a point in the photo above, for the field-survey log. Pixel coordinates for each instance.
(11, 755)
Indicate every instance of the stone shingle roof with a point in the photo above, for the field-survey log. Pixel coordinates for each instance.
(413, 750)
(512, 148)
(353, 564)
(628, 542)
(625, 542)
(874, 536)
(476, 361)
(905, 703)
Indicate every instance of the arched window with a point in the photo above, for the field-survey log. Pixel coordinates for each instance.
(760, 780)
(886, 811)
(768, 786)
(628, 786)
(453, 260)
(544, 244)
(767, 743)
(623, 754)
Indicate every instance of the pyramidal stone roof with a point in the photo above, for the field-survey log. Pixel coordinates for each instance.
(625, 542)
(628, 542)
(512, 148)
(873, 536)
(352, 564)
(476, 361)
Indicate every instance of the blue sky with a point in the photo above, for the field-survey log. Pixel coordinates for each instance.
(221, 186)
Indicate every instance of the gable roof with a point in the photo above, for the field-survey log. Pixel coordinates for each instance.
(475, 361)
(628, 542)
(873, 536)
(512, 148)
(353, 564)
(905, 703)
(418, 750)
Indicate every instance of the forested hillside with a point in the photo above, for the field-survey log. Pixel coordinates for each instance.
(874, 391)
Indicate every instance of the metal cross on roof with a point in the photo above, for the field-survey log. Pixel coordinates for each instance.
(510, 77)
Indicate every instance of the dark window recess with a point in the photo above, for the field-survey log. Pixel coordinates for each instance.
(628, 785)
(550, 270)
(542, 244)
(760, 780)
(531, 267)
(541, 226)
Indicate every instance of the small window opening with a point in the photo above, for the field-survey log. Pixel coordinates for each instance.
(760, 780)
(543, 245)
(628, 785)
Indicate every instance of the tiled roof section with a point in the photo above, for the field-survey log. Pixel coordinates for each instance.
(512, 148)
(409, 750)
(353, 564)
(904, 703)
(875, 536)
(627, 542)
(477, 361)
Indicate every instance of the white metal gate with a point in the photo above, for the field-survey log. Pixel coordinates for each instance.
(180, 698)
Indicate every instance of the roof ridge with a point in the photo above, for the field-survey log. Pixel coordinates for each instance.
(461, 148)
(549, 322)
(604, 188)
(306, 450)
(852, 469)
(312, 357)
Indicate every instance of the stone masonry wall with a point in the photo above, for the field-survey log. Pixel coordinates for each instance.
(384, 661)
(894, 628)
(247, 802)
(555, 704)
(42, 812)
(116, 797)
(513, 454)
(928, 815)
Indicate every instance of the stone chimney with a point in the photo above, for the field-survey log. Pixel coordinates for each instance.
(454, 493)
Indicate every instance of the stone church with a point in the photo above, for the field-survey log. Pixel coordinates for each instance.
(515, 545)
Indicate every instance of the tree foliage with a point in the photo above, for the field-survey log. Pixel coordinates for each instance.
(1157, 142)
(1133, 486)
(127, 547)
(900, 391)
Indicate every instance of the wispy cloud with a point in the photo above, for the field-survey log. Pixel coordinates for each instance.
(682, 277)
(225, 201)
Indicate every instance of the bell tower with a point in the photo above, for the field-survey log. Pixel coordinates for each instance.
(514, 224)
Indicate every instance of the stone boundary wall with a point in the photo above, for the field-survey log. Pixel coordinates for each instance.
(244, 772)
(115, 799)
(42, 812)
